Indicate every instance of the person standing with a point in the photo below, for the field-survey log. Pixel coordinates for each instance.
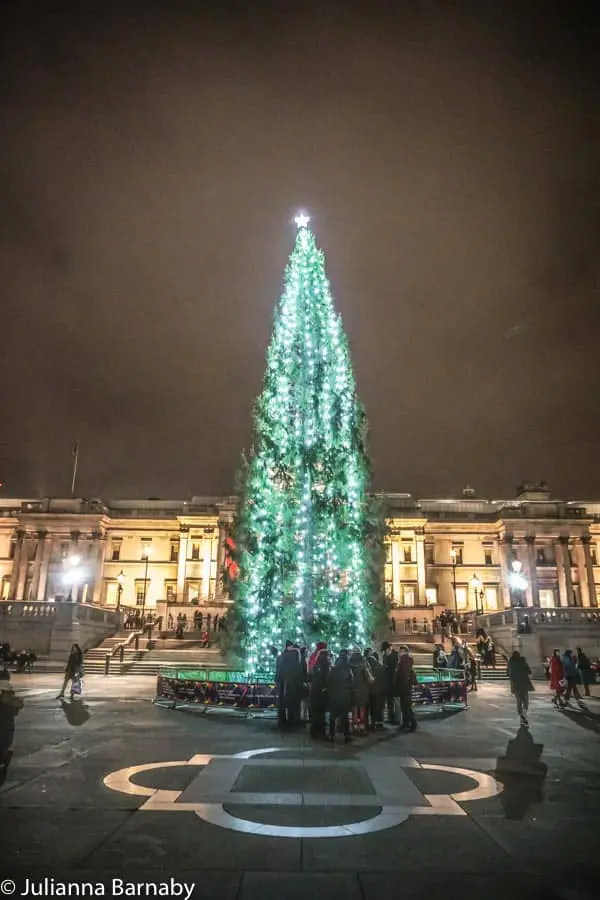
(585, 670)
(289, 680)
(377, 690)
(519, 674)
(73, 669)
(405, 681)
(557, 678)
(570, 672)
(318, 697)
(390, 664)
(10, 705)
(340, 697)
(362, 679)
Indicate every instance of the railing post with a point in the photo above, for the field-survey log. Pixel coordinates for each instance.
(121, 653)
(137, 642)
(107, 664)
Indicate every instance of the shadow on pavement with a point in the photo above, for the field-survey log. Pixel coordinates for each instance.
(75, 712)
(522, 774)
(584, 718)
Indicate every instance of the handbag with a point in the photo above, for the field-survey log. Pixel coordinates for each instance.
(76, 686)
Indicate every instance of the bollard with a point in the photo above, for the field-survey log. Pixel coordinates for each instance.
(121, 653)
(107, 664)
(137, 642)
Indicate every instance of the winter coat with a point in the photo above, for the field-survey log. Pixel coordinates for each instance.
(556, 673)
(319, 681)
(569, 667)
(518, 671)
(440, 660)
(405, 675)
(289, 673)
(378, 686)
(361, 676)
(74, 662)
(340, 689)
(390, 664)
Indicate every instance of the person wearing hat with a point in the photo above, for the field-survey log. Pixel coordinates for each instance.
(405, 681)
(390, 664)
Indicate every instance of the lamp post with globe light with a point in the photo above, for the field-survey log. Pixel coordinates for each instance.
(146, 554)
(120, 582)
(477, 586)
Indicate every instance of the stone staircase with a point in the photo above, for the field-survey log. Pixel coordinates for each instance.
(153, 660)
(182, 654)
(95, 658)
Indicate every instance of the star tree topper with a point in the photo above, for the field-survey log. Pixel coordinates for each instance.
(302, 220)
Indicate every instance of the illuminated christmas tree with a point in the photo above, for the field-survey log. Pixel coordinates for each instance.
(302, 540)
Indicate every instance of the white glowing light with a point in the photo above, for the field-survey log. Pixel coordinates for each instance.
(302, 220)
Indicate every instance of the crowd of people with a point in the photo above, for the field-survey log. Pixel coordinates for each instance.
(566, 672)
(21, 660)
(346, 695)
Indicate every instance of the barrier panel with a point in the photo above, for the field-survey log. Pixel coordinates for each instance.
(237, 691)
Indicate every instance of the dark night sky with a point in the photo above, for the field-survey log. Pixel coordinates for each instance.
(153, 156)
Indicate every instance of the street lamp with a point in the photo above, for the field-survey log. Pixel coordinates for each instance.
(517, 581)
(147, 550)
(120, 580)
(477, 586)
(453, 555)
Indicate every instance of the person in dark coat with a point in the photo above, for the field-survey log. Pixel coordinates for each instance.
(570, 670)
(340, 697)
(9, 709)
(584, 667)
(377, 690)
(520, 683)
(73, 669)
(405, 680)
(318, 699)
(290, 681)
(362, 679)
(390, 664)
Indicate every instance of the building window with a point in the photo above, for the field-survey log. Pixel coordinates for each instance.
(139, 591)
(115, 550)
(13, 547)
(64, 550)
(5, 587)
(570, 557)
(170, 591)
(540, 556)
(111, 593)
(456, 555)
(146, 548)
(431, 596)
(546, 598)
(174, 551)
(514, 554)
(429, 554)
(192, 591)
(408, 595)
(491, 598)
(593, 555)
(89, 551)
(461, 597)
(195, 551)
(33, 549)
(487, 555)
(407, 551)
(388, 553)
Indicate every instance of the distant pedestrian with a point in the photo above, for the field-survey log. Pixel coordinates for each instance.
(73, 669)
(390, 663)
(584, 667)
(10, 705)
(571, 675)
(340, 697)
(404, 683)
(557, 678)
(519, 674)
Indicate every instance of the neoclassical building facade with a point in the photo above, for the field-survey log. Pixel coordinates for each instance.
(467, 553)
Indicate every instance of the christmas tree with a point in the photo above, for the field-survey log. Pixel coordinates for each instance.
(303, 536)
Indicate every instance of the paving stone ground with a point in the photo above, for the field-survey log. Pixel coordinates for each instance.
(233, 827)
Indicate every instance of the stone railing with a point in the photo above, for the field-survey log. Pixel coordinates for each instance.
(529, 618)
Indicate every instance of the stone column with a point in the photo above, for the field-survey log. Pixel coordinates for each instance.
(533, 594)
(565, 580)
(16, 567)
(23, 568)
(45, 565)
(505, 545)
(396, 585)
(589, 571)
(182, 562)
(421, 576)
(37, 565)
(100, 542)
(220, 559)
